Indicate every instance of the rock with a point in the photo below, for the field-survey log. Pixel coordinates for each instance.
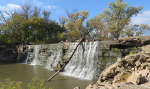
(139, 77)
(131, 72)
(129, 86)
(77, 88)
(122, 77)
(131, 42)
(8, 54)
(146, 49)
(100, 86)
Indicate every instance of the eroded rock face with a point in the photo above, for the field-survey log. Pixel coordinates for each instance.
(131, 72)
(131, 42)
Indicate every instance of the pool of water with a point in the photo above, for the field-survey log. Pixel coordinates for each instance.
(25, 73)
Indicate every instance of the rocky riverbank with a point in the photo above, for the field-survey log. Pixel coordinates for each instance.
(131, 72)
(124, 43)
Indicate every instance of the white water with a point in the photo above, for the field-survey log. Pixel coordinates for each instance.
(49, 58)
(54, 59)
(36, 60)
(84, 63)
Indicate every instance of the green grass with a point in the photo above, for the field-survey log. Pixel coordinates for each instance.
(34, 84)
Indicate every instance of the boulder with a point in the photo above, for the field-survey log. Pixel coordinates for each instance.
(77, 88)
(131, 72)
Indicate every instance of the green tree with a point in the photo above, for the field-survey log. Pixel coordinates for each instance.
(135, 30)
(62, 21)
(99, 25)
(74, 25)
(13, 29)
(26, 11)
(36, 12)
(31, 28)
(46, 15)
(118, 15)
(114, 19)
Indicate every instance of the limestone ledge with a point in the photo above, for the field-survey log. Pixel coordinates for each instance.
(131, 72)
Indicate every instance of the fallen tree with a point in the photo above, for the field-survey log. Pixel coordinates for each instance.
(64, 65)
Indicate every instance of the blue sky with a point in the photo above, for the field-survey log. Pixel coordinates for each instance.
(94, 7)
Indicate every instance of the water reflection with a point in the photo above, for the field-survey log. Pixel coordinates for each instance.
(25, 73)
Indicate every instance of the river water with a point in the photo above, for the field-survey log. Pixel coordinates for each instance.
(87, 62)
(25, 73)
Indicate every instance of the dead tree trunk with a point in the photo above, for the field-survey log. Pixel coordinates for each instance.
(64, 65)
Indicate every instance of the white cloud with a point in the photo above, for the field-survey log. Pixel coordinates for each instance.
(142, 18)
(49, 5)
(37, 3)
(13, 6)
(10, 7)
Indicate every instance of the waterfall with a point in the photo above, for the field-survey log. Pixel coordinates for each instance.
(89, 59)
(44, 55)
(84, 63)
(54, 59)
(36, 60)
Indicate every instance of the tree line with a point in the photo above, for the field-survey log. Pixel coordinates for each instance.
(34, 26)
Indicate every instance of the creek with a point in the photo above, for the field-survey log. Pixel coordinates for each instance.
(41, 60)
